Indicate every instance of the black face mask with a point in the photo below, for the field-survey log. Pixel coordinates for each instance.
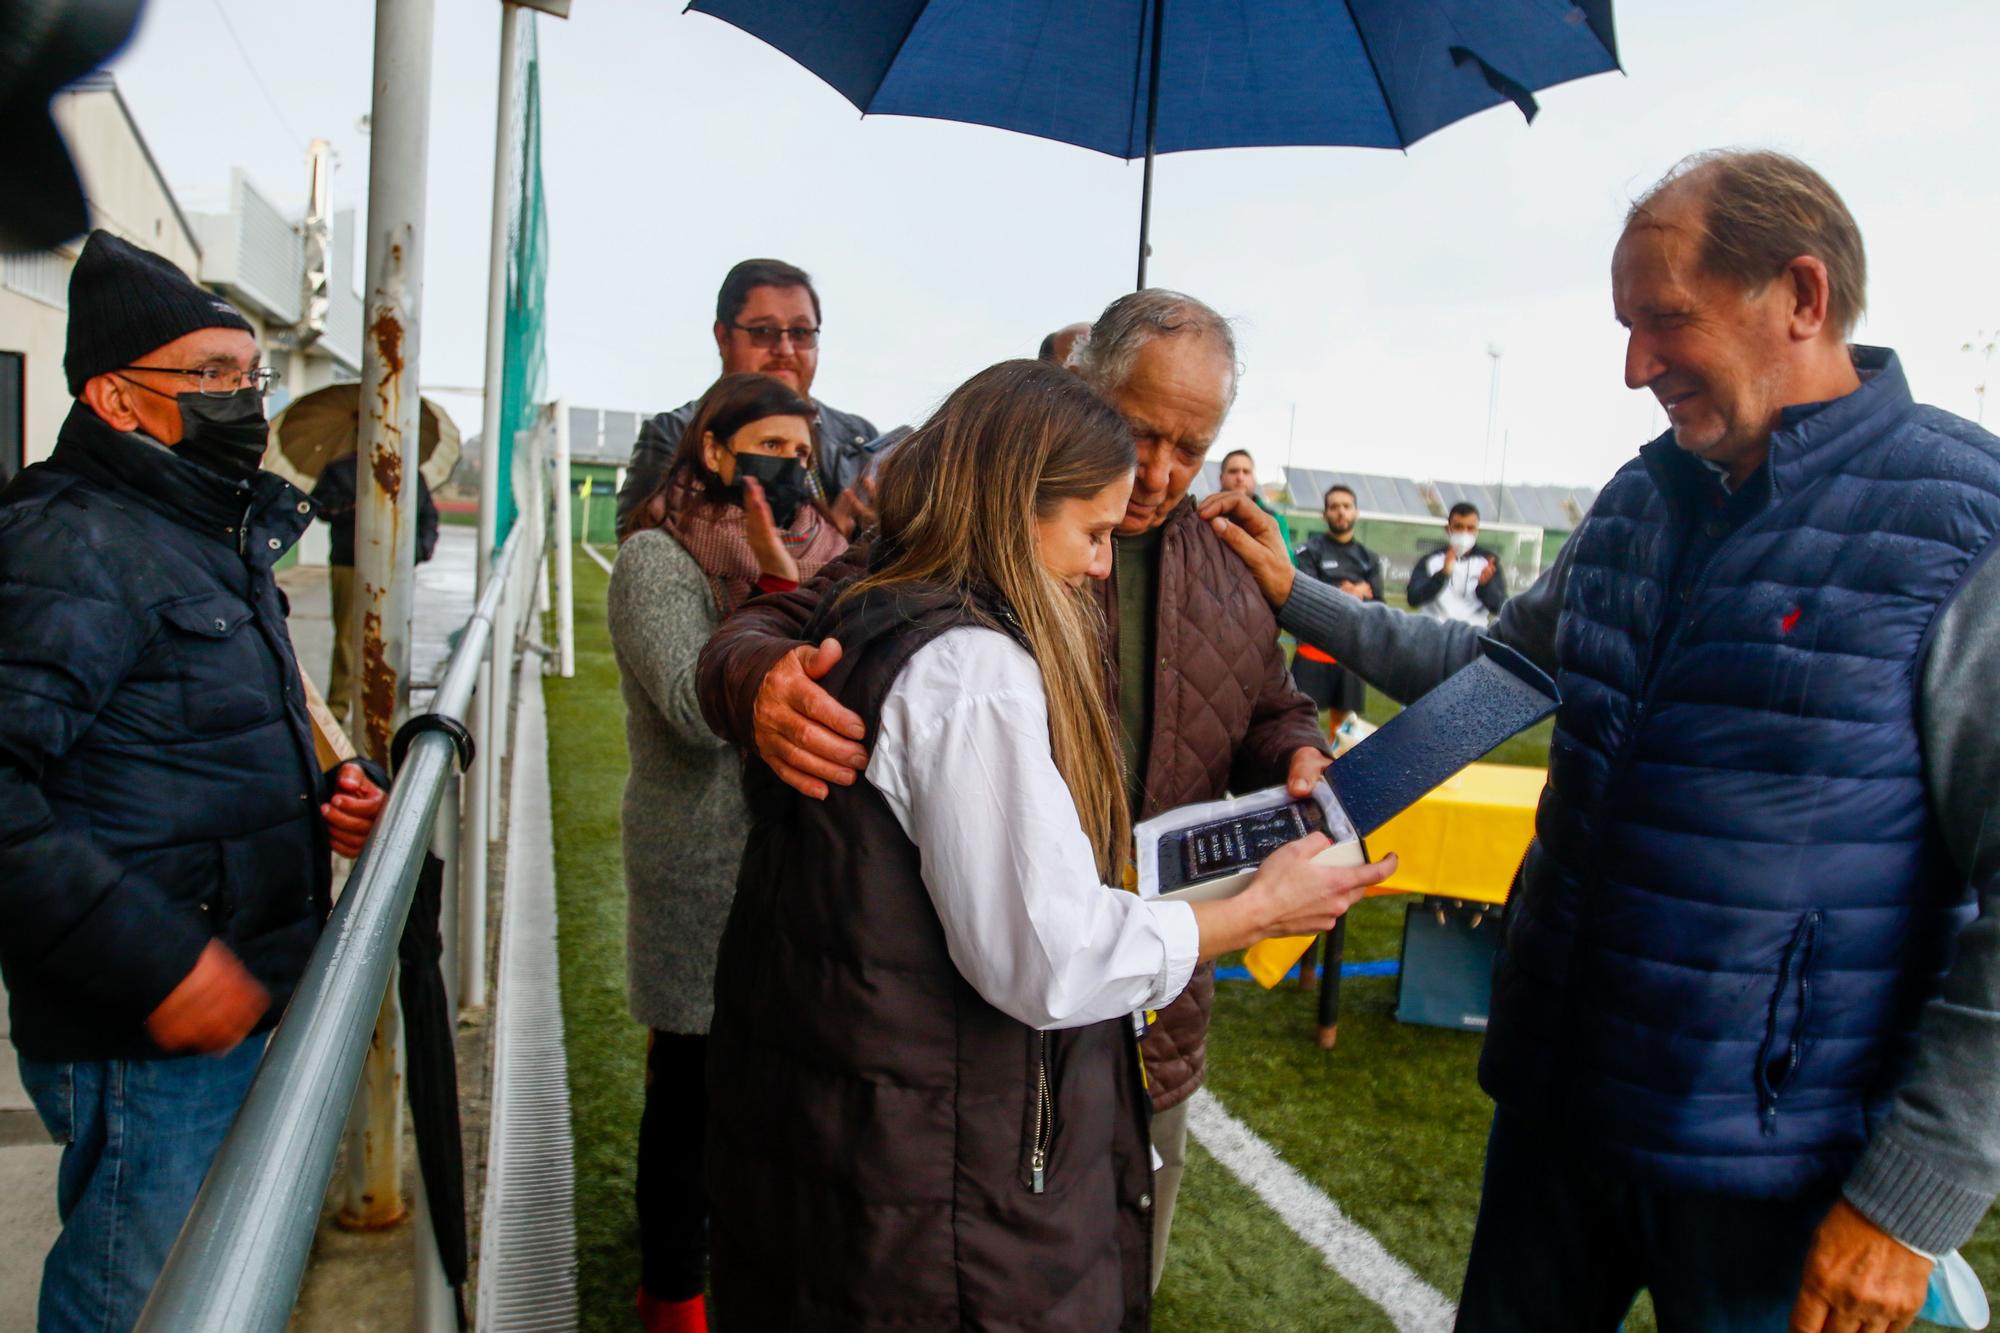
(224, 435)
(784, 482)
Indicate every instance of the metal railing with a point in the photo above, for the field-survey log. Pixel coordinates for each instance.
(242, 1253)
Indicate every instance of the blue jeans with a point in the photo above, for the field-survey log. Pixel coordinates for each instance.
(1561, 1247)
(137, 1136)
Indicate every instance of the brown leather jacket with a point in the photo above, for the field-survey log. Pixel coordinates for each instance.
(1225, 714)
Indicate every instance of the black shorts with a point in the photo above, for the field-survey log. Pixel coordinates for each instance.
(1329, 686)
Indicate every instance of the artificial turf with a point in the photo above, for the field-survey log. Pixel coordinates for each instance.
(1390, 1124)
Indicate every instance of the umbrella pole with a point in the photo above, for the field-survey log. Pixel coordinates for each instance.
(1152, 126)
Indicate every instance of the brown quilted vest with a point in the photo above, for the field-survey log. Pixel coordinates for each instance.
(874, 1125)
(1226, 717)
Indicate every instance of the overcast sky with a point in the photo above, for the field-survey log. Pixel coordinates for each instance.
(1367, 285)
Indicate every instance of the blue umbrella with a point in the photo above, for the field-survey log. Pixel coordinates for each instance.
(1228, 74)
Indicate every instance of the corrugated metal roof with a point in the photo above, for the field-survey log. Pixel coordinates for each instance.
(1555, 508)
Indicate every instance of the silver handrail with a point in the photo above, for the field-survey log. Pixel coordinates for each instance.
(242, 1252)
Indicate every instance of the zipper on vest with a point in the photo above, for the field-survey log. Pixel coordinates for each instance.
(1038, 1157)
(1794, 972)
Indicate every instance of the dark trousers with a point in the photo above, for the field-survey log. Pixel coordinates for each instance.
(673, 1203)
(1561, 1247)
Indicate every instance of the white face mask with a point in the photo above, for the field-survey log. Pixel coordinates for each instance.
(1461, 542)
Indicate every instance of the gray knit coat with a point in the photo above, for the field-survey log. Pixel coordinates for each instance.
(684, 818)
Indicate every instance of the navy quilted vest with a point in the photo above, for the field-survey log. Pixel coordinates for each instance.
(1738, 900)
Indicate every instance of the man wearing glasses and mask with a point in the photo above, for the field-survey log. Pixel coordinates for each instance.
(767, 322)
(164, 823)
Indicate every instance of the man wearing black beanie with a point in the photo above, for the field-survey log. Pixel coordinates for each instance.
(164, 823)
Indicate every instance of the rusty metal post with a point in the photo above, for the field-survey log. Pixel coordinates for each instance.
(385, 511)
(375, 1130)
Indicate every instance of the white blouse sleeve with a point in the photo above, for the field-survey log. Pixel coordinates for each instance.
(962, 757)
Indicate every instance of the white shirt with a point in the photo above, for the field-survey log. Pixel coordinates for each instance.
(962, 757)
(1459, 598)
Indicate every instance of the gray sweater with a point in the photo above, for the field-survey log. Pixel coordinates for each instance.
(1933, 1167)
(684, 818)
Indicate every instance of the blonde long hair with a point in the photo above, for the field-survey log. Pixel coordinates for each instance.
(958, 502)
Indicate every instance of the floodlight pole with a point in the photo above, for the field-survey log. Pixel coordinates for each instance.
(1152, 131)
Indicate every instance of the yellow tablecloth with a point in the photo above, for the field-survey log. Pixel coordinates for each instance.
(1464, 840)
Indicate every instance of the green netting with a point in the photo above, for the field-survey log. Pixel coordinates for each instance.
(524, 378)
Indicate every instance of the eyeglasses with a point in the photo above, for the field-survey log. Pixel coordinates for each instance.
(765, 336)
(220, 381)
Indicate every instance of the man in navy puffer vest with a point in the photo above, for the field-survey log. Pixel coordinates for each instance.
(164, 825)
(1745, 1033)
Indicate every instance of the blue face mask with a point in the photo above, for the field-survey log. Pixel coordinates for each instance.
(786, 486)
(1955, 1298)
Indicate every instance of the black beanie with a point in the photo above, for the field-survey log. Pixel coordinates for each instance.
(125, 302)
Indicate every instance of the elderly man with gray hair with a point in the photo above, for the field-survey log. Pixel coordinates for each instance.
(1204, 701)
(1744, 1044)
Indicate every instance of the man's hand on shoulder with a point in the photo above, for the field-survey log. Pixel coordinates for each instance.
(1253, 535)
(803, 732)
(215, 1006)
(1858, 1277)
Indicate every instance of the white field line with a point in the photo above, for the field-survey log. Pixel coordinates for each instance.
(1413, 1305)
(591, 551)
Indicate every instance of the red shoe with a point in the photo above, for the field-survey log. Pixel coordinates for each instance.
(657, 1316)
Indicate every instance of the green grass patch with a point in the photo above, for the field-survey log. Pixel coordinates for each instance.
(606, 1049)
(1235, 1265)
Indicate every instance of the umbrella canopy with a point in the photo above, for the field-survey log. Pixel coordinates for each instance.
(1226, 73)
(314, 430)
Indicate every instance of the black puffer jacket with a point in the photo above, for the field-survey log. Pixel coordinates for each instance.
(158, 786)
